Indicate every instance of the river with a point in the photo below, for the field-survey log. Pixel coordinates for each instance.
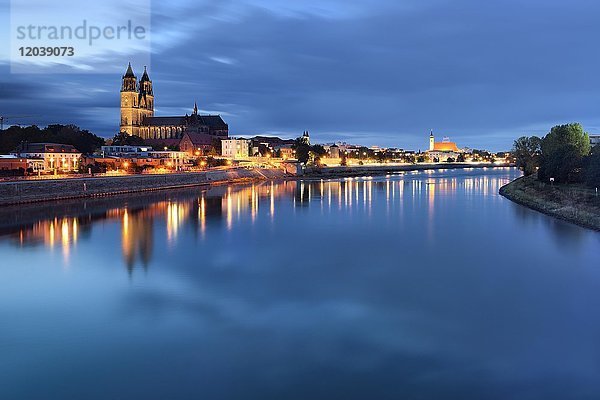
(424, 285)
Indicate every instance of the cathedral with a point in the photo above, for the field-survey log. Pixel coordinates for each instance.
(137, 114)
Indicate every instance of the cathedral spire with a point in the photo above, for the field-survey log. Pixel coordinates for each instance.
(129, 73)
(195, 108)
(129, 83)
(145, 76)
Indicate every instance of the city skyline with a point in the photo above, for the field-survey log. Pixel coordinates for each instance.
(378, 74)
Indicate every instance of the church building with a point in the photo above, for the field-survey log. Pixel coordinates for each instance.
(137, 114)
(442, 151)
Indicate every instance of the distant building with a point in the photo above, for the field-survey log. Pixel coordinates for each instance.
(49, 157)
(594, 140)
(142, 156)
(197, 144)
(119, 151)
(265, 144)
(334, 151)
(137, 114)
(287, 151)
(442, 151)
(12, 163)
(305, 138)
(235, 148)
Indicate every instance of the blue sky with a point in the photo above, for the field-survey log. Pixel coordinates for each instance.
(371, 72)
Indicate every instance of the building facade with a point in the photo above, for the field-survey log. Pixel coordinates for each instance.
(49, 157)
(235, 148)
(12, 163)
(197, 144)
(137, 114)
(442, 151)
(119, 151)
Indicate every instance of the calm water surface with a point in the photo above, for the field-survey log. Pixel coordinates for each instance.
(415, 286)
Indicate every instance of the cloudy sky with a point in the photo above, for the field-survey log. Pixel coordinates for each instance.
(379, 72)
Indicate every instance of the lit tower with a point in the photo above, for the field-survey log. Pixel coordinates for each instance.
(306, 138)
(130, 118)
(145, 97)
(431, 141)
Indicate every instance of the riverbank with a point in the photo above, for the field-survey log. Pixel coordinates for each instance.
(19, 192)
(32, 191)
(572, 203)
(370, 170)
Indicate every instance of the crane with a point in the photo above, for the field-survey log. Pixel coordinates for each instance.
(7, 117)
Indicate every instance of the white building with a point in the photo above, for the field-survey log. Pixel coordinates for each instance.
(172, 159)
(235, 148)
(125, 150)
(49, 157)
(594, 140)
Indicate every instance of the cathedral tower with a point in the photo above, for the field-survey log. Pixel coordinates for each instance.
(130, 118)
(146, 97)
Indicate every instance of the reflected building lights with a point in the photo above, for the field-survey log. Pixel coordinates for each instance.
(241, 205)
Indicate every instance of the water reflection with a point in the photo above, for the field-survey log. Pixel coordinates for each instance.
(142, 219)
(416, 285)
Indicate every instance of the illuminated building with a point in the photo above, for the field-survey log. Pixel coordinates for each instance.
(49, 157)
(442, 151)
(235, 148)
(137, 114)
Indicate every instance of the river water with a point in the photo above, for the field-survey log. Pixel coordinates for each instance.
(424, 285)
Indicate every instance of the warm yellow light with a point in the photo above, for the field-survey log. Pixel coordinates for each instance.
(125, 164)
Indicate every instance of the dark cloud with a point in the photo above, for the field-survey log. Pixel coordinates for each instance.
(381, 74)
(13, 91)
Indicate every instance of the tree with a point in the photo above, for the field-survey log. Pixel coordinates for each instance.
(343, 159)
(302, 150)
(125, 139)
(306, 153)
(592, 173)
(563, 153)
(83, 140)
(526, 151)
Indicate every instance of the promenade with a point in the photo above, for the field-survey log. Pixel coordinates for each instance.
(27, 191)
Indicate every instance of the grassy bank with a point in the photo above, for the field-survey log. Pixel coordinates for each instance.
(574, 203)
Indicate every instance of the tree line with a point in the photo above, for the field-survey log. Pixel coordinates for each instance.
(83, 140)
(564, 155)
